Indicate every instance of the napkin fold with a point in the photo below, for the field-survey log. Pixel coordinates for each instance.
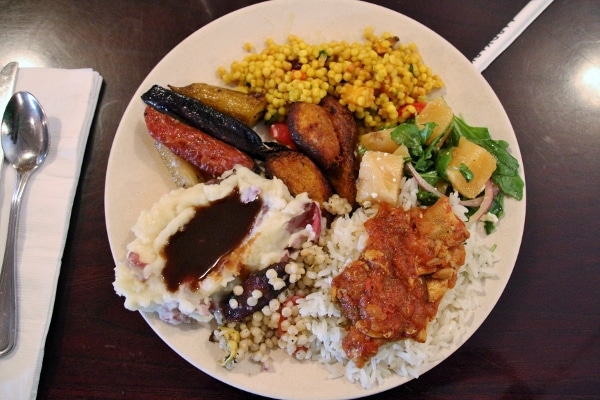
(69, 98)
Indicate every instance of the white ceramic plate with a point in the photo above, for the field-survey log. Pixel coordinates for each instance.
(136, 179)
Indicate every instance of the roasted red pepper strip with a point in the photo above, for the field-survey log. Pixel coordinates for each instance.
(419, 106)
(281, 133)
(211, 155)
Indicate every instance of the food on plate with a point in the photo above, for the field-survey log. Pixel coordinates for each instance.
(380, 178)
(313, 133)
(344, 236)
(280, 132)
(183, 173)
(343, 175)
(461, 158)
(379, 141)
(380, 80)
(210, 155)
(506, 175)
(259, 224)
(438, 112)
(252, 294)
(299, 174)
(200, 116)
(247, 107)
(469, 167)
(393, 289)
(327, 134)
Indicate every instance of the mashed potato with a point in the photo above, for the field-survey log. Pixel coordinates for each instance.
(140, 279)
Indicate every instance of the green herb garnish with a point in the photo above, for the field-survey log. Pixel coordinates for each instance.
(465, 172)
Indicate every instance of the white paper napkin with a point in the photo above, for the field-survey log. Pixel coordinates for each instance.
(69, 98)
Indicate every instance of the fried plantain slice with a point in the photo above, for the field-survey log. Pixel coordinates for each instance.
(313, 133)
(299, 174)
(343, 175)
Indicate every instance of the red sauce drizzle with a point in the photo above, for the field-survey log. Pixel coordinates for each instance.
(213, 232)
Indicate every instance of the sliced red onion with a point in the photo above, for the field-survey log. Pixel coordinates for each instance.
(422, 182)
(486, 202)
(476, 202)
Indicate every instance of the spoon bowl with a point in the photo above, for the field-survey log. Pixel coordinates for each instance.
(25, 141)
(24, 132)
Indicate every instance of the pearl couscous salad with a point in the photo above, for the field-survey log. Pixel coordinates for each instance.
(381, 80)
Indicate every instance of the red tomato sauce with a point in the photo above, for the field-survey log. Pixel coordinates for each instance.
(392, 291)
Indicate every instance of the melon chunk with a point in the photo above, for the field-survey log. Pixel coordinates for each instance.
(379, 178)
(473, 158)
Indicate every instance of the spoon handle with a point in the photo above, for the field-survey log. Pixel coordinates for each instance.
(8, 277)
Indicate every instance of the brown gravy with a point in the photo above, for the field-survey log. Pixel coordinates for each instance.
(212, 233)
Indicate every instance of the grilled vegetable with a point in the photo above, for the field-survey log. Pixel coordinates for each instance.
(280, 131)
(313, 133)
(257, 292)
(184, 174)
(208, 120)
(247, 107)
(210, 155)
(299, 174)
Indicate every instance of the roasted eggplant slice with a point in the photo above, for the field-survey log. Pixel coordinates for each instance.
(257, 291)
(207, 119)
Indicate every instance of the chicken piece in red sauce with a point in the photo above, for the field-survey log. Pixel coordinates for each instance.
(393, 290)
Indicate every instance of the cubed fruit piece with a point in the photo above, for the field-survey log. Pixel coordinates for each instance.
(402, 151)
(379, 141)
(379, 178)
(439, 112)
(473, 161)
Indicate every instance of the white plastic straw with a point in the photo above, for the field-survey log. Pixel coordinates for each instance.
(510, 32)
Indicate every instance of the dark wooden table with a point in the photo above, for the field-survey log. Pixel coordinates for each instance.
(543, 338)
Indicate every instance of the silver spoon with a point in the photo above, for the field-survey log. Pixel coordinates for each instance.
(25, 142)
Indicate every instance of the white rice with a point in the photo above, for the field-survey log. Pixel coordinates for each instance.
(343, 242)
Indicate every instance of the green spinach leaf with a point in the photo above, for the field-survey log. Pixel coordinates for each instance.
(506, 175)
